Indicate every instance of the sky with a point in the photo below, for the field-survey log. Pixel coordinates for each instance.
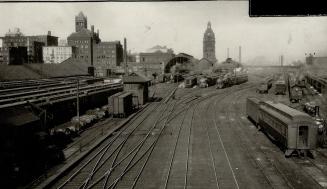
(178, 25)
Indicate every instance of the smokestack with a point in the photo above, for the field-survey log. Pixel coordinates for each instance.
(281, 60)
(92, 29)
(240, 54)
(98, 32)
(125, 55)
(227, 52)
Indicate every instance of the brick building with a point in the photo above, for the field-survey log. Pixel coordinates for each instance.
(57, 54)
(157, 54)
(107, 56)
(13, 55)
(33, 44)
(104, 56)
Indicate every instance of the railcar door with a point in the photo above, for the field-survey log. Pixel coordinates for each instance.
(303, 137)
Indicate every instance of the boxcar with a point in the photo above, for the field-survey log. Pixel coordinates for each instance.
(252, 109)
(295, 131)
(190, 82)
(121, 104)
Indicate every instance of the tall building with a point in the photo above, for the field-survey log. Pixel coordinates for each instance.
(107, 56)
(209, 43)
(80, 22)
(57, 54)
(157, 54)
(103, 56)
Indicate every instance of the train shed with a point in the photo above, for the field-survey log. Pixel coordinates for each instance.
(138, 85)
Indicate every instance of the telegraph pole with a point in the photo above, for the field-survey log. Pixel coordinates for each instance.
(77, 103)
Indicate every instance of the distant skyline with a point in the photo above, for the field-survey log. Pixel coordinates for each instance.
(177, 25)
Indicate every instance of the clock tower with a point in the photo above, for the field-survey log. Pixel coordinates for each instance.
(209, 43)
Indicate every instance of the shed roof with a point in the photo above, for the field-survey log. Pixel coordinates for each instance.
(136, 78)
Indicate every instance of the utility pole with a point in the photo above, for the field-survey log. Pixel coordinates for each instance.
(125, 56)
(77, 104)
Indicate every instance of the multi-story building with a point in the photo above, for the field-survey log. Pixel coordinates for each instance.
(33, 44)
(57, 54)
(209, 43)
(13, 55)
(107, 55)
(12, 46)
(104, 56)
(157, 54)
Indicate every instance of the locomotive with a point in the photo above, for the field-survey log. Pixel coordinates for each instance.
(229, 79)
(265, 85)
(207, 81)
(295, 131)
(190, 81)
(280, 87)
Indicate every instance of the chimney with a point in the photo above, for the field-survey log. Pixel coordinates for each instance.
(92, 29)
(125, 55)
(227, 52)
(49, 33)
(98, 32)
(240, 54)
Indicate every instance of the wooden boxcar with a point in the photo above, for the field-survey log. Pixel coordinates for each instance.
(252, 109)
(294, 130)
(121, 104)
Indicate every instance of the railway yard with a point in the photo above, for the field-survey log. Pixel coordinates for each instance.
(191, 138)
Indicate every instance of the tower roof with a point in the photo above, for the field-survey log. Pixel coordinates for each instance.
(81, 15)
(209, 34)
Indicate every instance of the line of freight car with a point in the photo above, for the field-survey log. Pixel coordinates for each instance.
(121, 104)
(228, 80)
(293, 130)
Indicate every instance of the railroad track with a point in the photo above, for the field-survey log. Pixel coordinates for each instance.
(126, 154)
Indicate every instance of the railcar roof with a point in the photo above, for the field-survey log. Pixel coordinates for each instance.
(287, 111)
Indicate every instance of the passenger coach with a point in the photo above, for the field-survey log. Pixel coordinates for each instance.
(294, 130)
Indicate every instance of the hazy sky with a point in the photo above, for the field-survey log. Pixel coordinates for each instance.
(178, 25)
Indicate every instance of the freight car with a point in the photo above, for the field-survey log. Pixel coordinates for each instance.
(190, 81)
(265, 85)
(280, 87)
(121, 104)
(229, 79)
(295, 131)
